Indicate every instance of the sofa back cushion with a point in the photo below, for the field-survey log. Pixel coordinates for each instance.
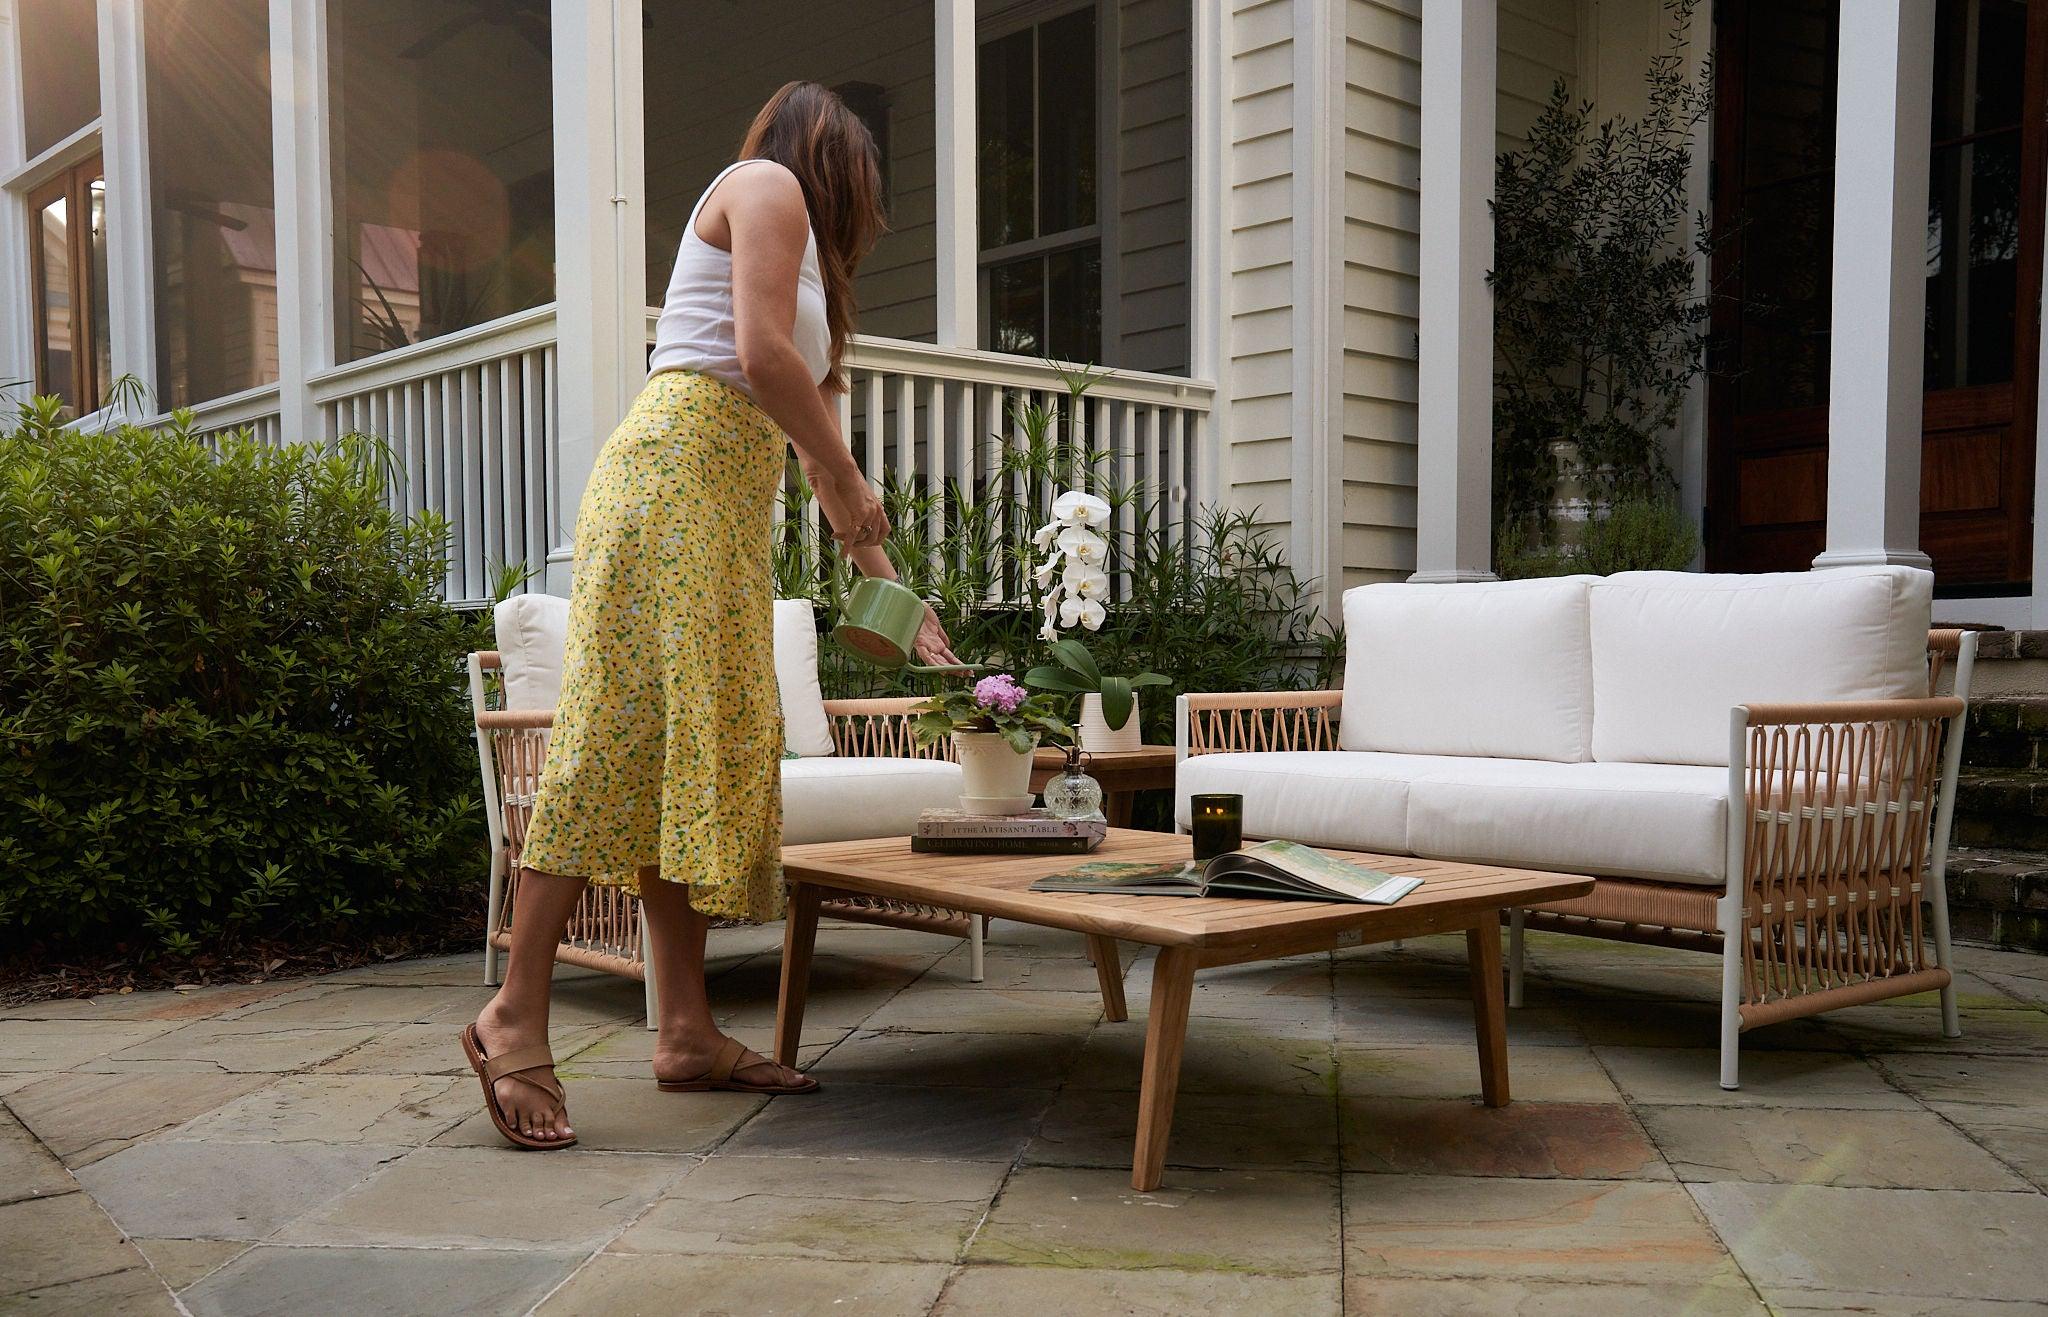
(533, 633)
(1673, 652)
(805, 729)
(1500, 669)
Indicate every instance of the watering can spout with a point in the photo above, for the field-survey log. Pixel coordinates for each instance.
(879, 625)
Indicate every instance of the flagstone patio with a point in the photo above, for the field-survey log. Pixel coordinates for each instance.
(316, 1146)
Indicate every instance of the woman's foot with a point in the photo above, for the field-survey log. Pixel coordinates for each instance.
(528, 1098)
(694, 1063)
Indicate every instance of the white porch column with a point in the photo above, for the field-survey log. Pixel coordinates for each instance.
(600, 247)
(124, 146)
(956, 245)
(17, 324)
(1316, 472)
(1454, 377)
(304, 184)
(1884, 103)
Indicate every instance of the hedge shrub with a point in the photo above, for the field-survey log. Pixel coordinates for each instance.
(231, 704)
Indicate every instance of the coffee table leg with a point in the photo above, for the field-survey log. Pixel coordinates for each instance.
(1489, 1010)
(799, 936)
(1166, 1032)
(1109, 972)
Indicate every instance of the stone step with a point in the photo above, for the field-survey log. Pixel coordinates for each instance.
(1998, 897)
(2007, 732)
(2002, 808)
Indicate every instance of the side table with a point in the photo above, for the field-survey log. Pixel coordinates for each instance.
(1122, 774)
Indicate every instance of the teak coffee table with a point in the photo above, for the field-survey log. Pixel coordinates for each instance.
(1191, 933)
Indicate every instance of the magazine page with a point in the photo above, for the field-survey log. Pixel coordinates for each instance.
(1127, 877)
(1308, 867)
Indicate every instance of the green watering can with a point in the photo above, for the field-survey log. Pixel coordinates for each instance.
(880, 622)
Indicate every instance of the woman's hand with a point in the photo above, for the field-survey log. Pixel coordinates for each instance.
(932, 644)
(854, 510)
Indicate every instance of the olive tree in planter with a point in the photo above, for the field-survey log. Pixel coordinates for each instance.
(1599, 328)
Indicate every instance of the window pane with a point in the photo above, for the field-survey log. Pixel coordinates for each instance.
(1016, 307)
(1786, 287)
(212, 212)
(444, 162)
(1073, 303)
(60, 69)
(710, 68)
(102, 377)
(1066, 122)
(1008, 149)
(53, 303)
(1973, 243)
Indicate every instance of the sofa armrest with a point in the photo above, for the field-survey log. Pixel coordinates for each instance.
(1256, 720)
(879, 728)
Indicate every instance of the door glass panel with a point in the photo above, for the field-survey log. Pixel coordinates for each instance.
(444, 166)
(1073, 304)
(60, 69)
(213, 222)
(1066, 122)
(1016, 307)
(102, 376)
(53, 303)
(1008, 148)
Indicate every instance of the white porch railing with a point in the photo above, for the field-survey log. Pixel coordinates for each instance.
(471, 425)
(470, 422)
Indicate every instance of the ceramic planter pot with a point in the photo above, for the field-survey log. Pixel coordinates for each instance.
(1098, 737)
(998, 779)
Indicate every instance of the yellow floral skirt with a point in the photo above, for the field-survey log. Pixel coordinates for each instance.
(667, 743)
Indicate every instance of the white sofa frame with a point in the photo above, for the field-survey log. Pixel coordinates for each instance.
(1844, 836)
(608, 931)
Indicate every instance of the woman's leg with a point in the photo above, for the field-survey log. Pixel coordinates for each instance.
(518, 1015)
(688, 1044)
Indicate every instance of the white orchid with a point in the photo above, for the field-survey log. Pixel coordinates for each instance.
(1075, 577)
(1082, 545)
(1089, 583)
(1076, 508)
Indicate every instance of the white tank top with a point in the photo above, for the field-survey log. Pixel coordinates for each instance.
(695, 331)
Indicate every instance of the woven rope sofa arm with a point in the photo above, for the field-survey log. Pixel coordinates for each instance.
(1845, 803)
(1260, 720)
(880, 728)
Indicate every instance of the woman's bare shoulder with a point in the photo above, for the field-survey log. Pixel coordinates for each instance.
(765, 196)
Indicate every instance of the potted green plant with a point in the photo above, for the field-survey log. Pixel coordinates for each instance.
(1109, 704)
(995, 725)
(1075, 579)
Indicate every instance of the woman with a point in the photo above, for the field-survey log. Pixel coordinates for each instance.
(664, 769)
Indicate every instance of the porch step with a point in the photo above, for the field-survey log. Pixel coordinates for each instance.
(1999, 898)
(2002, 793)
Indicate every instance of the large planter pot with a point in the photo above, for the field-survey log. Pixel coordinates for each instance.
(998, 779)
(1098, 737)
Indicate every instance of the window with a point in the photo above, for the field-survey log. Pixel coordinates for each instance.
(444, 194)
(60, 69)
(213, 219)
(1041, 241)
(68, 278)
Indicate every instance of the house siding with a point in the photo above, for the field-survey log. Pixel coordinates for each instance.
(1153, 159)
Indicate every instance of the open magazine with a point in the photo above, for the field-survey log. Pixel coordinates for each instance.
(1268, 871)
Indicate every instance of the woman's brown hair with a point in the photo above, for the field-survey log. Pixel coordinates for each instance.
(808, 130)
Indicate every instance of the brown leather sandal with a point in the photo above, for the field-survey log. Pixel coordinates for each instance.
(718, 1079)
(526, 1065)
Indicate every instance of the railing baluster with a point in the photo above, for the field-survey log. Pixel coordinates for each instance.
(513, 543)
(533, 440)
(872, 447)
(906, 429)
(1176, 477)
(1130, 514)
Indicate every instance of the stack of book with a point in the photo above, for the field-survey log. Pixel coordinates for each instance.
(1034, 832)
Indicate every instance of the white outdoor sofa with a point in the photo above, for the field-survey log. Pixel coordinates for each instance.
(858, 773)
(1603, 726)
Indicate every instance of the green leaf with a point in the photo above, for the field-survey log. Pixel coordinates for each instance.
(1075, 656)
(1052, 679)
(1116, 701)
(1144, 679)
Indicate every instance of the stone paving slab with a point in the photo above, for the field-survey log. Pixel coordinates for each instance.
(952, 1060)
(1585, 1231)
(486, 1198)
(1269, 1222)
(1912, 1242)
(2004, 1081)
(983, 1291)
(1567, 1140)
(620, 1115)
(628, 1053)
(434, 1049)
(2016, 1136)
(168, 1006)
(649, 1284)
(1689, 1076)
(1018, 969)
(405, 1110)
(181, 1262)
(233, 1047)
(345, 1282)
(1405, 1021)
(326, 1002)
(57, 1240)
(52, 1045)
(964, 1124)
(977, 1008)
(1222, 1056)
(27, 1170)
(855, 1210)
(196, 1190)
(82, 1117)
(1874, 1149)
(1381, 1296)
(1212, 1130)
(1451, 1070)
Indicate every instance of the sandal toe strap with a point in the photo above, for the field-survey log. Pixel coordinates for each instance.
(519, 1058)
(729, 1054)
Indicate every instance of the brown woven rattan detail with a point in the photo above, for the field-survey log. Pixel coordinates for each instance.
(1262, 721)
(880, 728)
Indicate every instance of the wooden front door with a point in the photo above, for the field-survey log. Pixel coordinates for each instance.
(1773, 178)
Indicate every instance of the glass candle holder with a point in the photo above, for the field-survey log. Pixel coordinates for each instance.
(1218, 823)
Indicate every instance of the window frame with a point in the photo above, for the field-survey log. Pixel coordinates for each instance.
(1027, 17)
(69, 175)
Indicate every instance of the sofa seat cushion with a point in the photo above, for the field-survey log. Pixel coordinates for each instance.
(1355, 800)
(843, 798)
(1499, 668)
(1673, 652)
(1659, 821)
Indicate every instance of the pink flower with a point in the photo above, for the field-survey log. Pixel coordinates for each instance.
(1000, 693)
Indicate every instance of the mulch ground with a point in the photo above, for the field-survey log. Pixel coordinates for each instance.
(33, 977)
